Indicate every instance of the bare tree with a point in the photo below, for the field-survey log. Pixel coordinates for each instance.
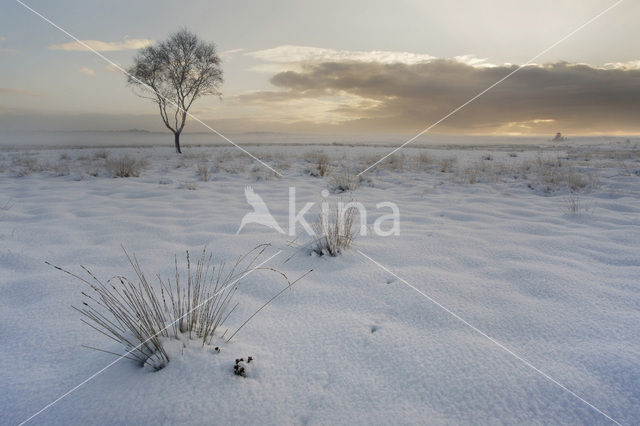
(176, 72)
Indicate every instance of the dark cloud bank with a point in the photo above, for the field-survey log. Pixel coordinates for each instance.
(578, 98)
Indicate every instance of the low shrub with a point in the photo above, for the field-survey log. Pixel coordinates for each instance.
(24, 165)
(125, 166)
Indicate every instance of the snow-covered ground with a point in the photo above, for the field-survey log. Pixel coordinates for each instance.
(539, 248)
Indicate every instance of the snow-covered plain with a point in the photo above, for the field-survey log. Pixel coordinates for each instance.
(538, 247)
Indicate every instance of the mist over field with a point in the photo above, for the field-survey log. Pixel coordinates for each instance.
(138, 137)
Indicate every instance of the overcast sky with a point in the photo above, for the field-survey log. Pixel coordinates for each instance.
(334, 66)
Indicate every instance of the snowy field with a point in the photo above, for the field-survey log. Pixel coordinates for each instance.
(538, 247)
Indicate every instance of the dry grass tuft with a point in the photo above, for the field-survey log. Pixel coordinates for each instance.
(58, 169)
(125, 166)
(574, 204)
(343, 181)
(204, 172)
(321, 161)
(471, 175)
(556, 174)
(423, 159)
(24, 165)
(103, 154)
(334, 232)
(138, 316)
(395, 162)
(446, 164)
(201, 156)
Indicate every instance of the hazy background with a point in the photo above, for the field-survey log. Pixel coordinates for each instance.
(330, 70)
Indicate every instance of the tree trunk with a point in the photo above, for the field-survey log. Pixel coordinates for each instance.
(177, 142)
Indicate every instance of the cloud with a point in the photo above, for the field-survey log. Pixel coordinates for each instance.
(473, 60)
(87, 71)
(103, 46)
(630, 65)
(285, 57)
(293, 54)
(410, 96)
(228, 54)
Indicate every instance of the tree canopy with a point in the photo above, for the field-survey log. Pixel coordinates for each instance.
(174, 73)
